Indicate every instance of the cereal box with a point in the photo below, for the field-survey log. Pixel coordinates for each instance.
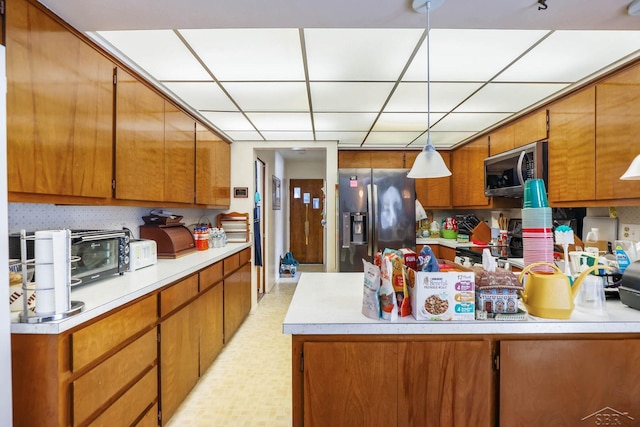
(443, 296)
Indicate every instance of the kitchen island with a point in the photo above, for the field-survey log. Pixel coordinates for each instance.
(138, 347)
(351, 370)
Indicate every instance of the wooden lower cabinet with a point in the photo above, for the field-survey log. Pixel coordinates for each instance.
(570, 382)
(370, 381)
(237, 300)
(211, 320)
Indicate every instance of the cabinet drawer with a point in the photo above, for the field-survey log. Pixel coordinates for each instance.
(150, 419)
(95, 340)
(210, 276)
(132, 404)
(106, 380)
(245, 256)
(173, 297)
(231, 263)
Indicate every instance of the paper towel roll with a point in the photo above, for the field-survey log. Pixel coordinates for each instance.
(53, 271)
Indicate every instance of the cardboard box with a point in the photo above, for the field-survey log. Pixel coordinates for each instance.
(443, 296)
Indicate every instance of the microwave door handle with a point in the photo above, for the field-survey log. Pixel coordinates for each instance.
(520, 161)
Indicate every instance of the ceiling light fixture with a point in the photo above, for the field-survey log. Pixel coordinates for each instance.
(429, 163)
(633, 172)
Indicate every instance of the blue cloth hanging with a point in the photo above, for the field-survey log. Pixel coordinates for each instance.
(257, 240)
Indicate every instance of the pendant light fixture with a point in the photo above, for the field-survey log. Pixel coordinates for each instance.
(633, 172)
(429, 163)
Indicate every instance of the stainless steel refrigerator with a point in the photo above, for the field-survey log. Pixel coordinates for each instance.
(376, 211)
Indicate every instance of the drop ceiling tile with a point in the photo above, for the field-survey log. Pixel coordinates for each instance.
(281, 121)
(227, 121)
(202, 95)
(469, 122)
(244, 136)
(412, 96)
(349, 97)
(405, 121)
(508, 97)
(249, 53)
(269, 96)
(287, 136)
(359, 54)
(343, 121)
(569, 56)
(391, 138)
(159, 52)
(469, 55)
(442, 139)
(343, 138)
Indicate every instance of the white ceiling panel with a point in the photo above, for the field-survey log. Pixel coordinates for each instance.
(159, 52)
(349, 97)
(470, 55)
(202, 95)
(249, 54)
(468, 122)
(281, 121)
(269, 96)
(405, 121)
(359, 54)
(344, 121)
(568, 56)
(345, 138)
(287, 136)
(391, 138)
(508, 97)
(442, 139)
(229, 121)
(244, 136)
(412, 96)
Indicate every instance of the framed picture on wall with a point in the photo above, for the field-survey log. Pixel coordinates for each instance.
(276, 192)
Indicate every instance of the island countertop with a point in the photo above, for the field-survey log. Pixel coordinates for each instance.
(331, 304)
(108, 294)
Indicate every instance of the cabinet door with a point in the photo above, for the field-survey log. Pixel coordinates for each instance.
(569, 382)
(467, 183)
(571, 148)
(501, 140)
(435, 192)
(213, 169)
(139, 141)
(210, 312)
(445, 384)
(179, 169)
(354, 159)
(179, 358)
(530, 128)
(350, 384)
(59, 109)
(237, 300)
(617, 130)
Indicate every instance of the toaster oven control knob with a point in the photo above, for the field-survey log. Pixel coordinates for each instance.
(126, 260)
(126, 249)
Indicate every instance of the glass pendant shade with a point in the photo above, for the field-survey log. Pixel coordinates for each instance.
(633, 172)
(429, 164)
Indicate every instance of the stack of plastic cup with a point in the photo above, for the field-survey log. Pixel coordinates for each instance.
(537, 225)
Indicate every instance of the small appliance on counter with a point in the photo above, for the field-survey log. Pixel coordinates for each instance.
(172, 238)
(142, 253)
(629, 289)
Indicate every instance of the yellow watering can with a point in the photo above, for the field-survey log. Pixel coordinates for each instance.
(550, 295)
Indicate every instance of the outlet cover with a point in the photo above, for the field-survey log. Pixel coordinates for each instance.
(629, 232)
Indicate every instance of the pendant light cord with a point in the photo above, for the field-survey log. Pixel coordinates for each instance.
(428, 74)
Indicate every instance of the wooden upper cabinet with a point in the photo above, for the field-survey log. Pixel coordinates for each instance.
(502, 140)
(59, 108)
(213, 169)
(388, 160)
(140, 145)
(617, 130)
(435, 192)
(375, 159)
(530, 128)
(179, 166)
(467, 182)
(354, 159)
(571, 147)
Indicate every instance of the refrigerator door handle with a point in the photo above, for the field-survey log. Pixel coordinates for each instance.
(370, 220)
(346, 230)
(375, 226)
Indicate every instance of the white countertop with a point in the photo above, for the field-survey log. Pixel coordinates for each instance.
(108, 294)
(331, 303)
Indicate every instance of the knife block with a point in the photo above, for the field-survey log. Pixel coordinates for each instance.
(481, 233)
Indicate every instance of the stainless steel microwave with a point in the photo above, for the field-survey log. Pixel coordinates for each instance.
(505, 173)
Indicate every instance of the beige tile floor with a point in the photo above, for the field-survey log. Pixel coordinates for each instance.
(249, 384)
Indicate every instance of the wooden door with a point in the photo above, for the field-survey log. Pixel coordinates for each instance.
(59, 108)
(571, 148)
(569, 383)
(306, 231)
(350, 384)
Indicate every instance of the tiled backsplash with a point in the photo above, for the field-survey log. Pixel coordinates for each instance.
(31, 217)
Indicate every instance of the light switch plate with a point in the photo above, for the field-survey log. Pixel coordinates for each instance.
(629, 232)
